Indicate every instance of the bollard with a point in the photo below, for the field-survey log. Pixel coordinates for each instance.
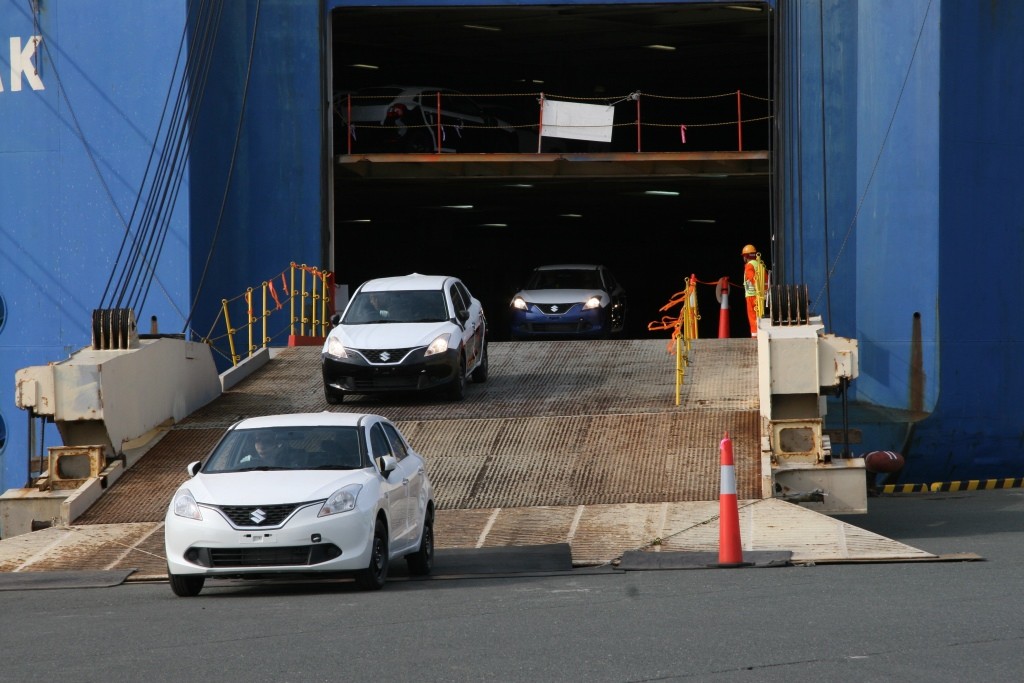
(722, 292)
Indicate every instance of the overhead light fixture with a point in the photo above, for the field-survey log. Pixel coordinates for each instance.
(458, 206)
(494, 225)
(700, 220)
(364, 66)
(478, 27)
(666, 48)
(357, 220)
(519, 185)
(662, 193)
(571, 215)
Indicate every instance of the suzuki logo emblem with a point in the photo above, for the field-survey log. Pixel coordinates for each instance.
(554, 309)
(385, 356)
(258, 516)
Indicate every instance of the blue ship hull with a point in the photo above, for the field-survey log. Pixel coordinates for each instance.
(896, 188)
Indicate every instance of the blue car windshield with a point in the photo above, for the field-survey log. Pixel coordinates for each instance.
(287, 448)
(564, 279)
(404, 306)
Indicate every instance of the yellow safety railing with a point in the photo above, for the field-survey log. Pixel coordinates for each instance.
(309, 293)
(683, 327)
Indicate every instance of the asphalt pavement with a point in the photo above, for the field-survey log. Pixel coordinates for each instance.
(932, 621)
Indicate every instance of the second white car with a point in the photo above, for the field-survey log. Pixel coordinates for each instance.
(406, 333)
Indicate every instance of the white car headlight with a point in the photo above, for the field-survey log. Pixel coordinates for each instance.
(342, 500)
(519, 303)
(439, 345)
(336, 348)
(592, 302)
(185, 505)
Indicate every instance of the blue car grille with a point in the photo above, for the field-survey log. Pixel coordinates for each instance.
(384, 356)
(555, 309)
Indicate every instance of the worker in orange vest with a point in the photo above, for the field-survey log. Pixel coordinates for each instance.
(753, 285)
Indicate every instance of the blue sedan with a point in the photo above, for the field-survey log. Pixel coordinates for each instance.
(568, 301)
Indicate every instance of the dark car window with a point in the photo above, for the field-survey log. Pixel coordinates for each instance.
(409, 306)
(397, 445)
(379, 443)
(457, 299)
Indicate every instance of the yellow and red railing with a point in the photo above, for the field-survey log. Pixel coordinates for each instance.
(308, 293)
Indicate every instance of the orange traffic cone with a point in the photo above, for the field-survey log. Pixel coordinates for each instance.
(730, 550)
(722, 292)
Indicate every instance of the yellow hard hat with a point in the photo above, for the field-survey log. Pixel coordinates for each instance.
(749, 249)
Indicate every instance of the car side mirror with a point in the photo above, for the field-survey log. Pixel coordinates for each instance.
(335, 319)
(462, 314)
(387, 464)
(193, 468)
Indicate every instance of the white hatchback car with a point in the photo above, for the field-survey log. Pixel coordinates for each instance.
(404, 118)
(407, 333)
(302, 495)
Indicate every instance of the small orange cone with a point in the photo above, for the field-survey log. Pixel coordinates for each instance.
(730, 550)
(722, 292)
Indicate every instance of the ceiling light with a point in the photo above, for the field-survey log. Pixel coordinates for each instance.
(478, 27)
(519, 185)
(662, 193)
(458, 206)
(700, 220)
(357, 220)
(667, 48)
(364, 66)
(494, 225)
(571, 215)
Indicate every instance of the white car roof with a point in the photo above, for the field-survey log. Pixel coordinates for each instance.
(404, 282)
(326, 418)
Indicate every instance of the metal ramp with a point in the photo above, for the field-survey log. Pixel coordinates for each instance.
(576, 442)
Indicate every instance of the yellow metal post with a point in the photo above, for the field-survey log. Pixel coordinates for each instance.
(231, 332)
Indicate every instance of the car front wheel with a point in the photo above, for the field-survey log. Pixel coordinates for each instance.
(457, 389)
(376, 573)
(480, 374)
(186, 586)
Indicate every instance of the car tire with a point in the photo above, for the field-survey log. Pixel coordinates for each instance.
(480, 373)
(457, 388)
(422, 561)
(376, 573)
(186, 585)
(333, 396)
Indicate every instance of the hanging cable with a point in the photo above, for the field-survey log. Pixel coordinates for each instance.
(231, 168)
(161, 184)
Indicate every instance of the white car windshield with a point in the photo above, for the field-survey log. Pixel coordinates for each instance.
(287, 448)
(406, 306)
